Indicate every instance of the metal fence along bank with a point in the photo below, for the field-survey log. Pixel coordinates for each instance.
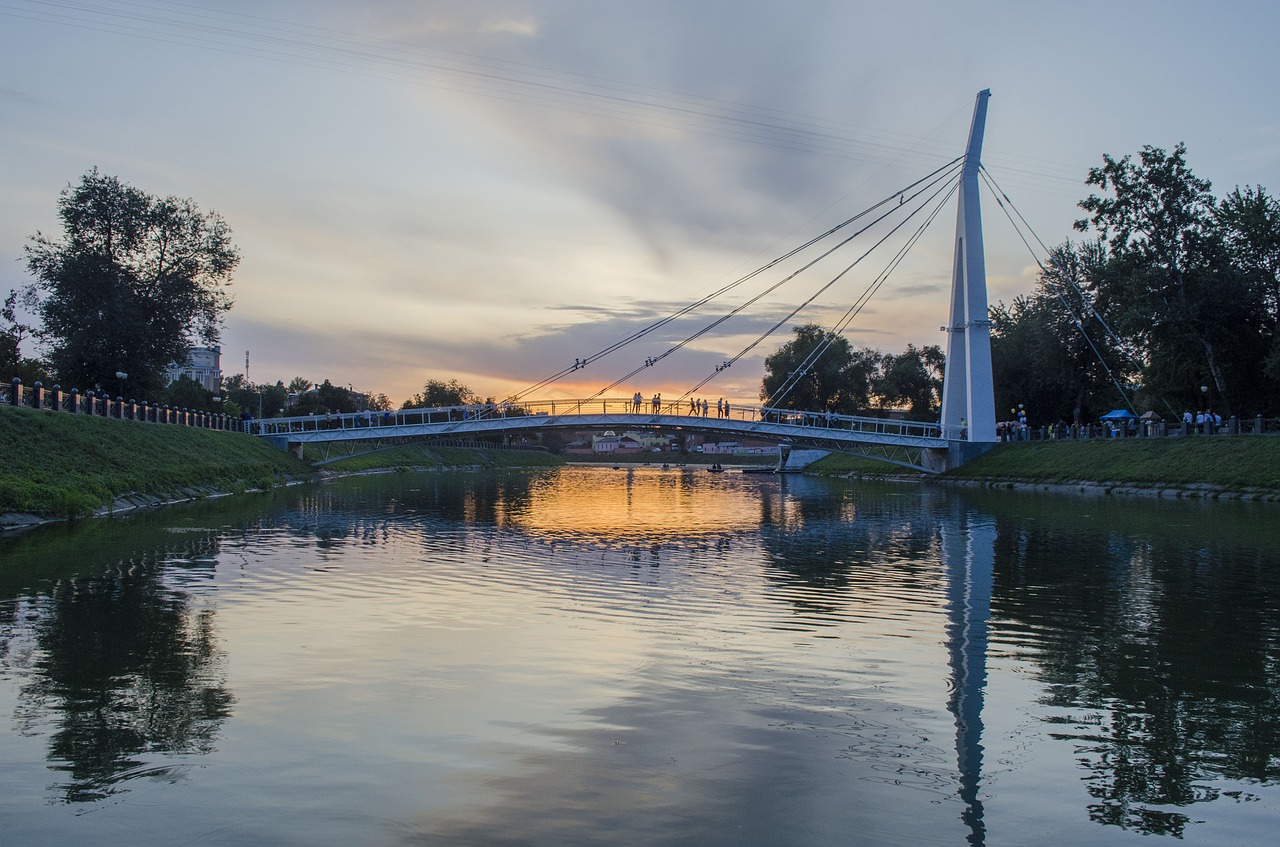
(103, 406)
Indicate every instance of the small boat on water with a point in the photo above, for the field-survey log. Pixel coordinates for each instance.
(716, 468)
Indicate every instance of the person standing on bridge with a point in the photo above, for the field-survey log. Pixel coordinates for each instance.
(657, 403)
(720, 408)
(704, 407)
(726, 408)
(637, 401)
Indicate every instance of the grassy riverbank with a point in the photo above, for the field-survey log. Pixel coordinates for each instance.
(1219, 463)
(60, 465)
(56, 465)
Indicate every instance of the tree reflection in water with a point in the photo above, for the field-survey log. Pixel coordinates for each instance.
(1158, 643)
(1160, 647)
(124, 671)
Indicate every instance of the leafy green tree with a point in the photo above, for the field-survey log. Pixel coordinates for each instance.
(325, 398)
(185, 393)
(912, 379)
(274, 399)
(438, 393)
(299, 384)
(132, 283)
(12, 363)
(1053, 352)
(238, 390)
(1179, 281)
(837, 380)
(1250, 222)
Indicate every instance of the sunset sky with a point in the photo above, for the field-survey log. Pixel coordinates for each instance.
(488, 190)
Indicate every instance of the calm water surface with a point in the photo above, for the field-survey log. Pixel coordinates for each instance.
(588, 656)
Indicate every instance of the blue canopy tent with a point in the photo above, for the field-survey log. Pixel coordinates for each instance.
(1119, 415)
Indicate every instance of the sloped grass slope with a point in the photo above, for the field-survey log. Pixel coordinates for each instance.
(1230, 462)
(60, 465)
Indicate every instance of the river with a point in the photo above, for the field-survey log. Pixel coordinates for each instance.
(586, 656)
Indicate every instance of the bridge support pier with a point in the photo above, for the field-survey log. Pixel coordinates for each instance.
(939, 459)
(282, 442)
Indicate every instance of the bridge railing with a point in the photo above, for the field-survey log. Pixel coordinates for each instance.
(658, 412)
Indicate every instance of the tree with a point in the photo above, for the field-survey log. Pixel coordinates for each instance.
(1052, 352)
(324, 398)
(913, 379)
(12, 333)
(185, 393)
(134, 281)
(438, 393)
(837, 379)
(1180, 280)
(1250, 221)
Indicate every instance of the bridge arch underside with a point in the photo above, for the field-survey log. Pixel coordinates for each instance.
(903, 449)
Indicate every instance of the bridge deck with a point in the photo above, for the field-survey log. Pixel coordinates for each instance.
(813, 429)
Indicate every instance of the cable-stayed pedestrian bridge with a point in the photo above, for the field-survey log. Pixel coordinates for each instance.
(966, 425)
(899, 442)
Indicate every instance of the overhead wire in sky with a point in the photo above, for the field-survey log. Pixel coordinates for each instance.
(521, 83)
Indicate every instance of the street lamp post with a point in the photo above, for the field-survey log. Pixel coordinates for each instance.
(122, 376)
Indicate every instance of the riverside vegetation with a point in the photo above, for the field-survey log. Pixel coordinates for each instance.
(1203, 465)
(59, 466)
(65, 466)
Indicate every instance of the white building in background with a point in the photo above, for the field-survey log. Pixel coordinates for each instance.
(204, 365)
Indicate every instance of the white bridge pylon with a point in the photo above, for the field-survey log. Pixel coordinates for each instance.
(968, 391)
(817, 430)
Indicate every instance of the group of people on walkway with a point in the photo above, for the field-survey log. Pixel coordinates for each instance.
(1206, 422)
(696, 407)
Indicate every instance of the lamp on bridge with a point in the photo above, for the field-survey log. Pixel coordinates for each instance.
(122, 376)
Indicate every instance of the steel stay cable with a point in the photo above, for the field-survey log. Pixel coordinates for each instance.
(999, 192)
(1133, 360)
(996, 193)
(691, 307)
(855, 309)
(859, 303)
(722, 319)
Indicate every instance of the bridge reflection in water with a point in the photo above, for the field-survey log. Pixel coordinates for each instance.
(968, 548)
